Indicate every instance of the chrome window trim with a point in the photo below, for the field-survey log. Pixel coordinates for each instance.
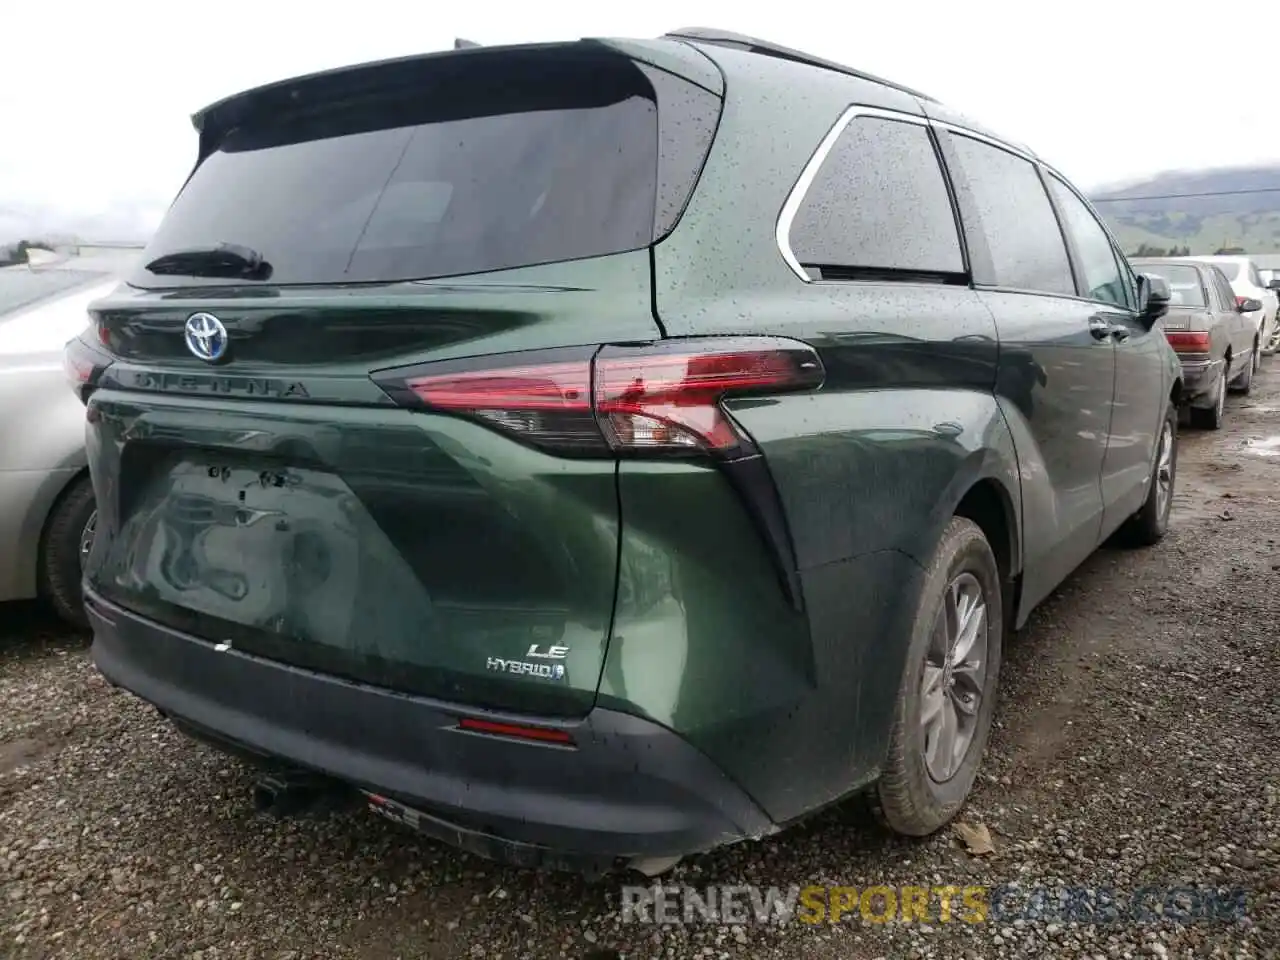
(782, 230)
(1020, 152)
(791, 206)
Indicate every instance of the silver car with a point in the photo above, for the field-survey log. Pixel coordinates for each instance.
(46, 500)
(1213, 332)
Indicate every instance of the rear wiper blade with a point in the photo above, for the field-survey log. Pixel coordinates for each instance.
(224, 260)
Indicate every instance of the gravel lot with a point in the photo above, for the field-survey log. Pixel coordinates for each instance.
(1138, 743)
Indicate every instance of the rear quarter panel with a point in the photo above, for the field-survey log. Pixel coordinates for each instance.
(869, 468)
(41, 427)
(41, 450)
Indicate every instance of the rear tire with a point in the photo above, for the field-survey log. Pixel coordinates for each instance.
(1243, 384)
(911, 798)
(1210, 418)
(1148, 526)
(61, 564)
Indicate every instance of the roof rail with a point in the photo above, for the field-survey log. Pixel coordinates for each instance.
(727, 38)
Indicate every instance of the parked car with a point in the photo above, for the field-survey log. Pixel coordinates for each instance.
(1248, 284)
(1212, 333)
(628, 449)
(46, 498)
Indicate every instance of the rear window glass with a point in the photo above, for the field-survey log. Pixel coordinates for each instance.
(1230, 268)
(543, 163)
(1184, 283)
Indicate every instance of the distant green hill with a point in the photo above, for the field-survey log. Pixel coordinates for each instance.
(1242, 210)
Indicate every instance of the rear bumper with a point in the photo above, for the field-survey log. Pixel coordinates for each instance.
(628, 789)
(1200, 379)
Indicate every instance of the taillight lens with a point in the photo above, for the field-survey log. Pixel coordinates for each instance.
(546, 402)
(1240, 301)
(1188, 342)
(663, 397)
(669, 399)
(83, 366)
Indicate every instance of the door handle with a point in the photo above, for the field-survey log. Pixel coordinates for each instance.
(1119, 331)
(1100, 329)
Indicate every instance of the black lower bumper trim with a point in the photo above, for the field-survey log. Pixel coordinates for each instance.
(1200, 379)
(628, 788)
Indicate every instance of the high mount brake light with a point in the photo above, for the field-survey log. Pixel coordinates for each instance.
(663, 398)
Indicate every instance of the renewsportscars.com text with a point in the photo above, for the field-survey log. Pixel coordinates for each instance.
(825, 904)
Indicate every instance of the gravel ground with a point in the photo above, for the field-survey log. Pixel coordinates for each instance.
(1137, 744)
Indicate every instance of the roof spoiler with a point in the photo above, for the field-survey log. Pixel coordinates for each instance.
(460, 44)
(738, 41)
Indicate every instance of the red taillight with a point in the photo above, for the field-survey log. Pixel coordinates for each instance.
(77, 369)
(556, 387)
(1240, 302)
(657, 398)
(518, 731)
(1188, 342)
(83, 366)
(666, 402)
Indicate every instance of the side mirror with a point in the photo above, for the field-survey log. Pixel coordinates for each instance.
(1153, 298)
(1248, 305)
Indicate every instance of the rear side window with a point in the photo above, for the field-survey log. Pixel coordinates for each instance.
(1099, 266)
(485, 164)
(1225, 293)
(1008, 201)
(1229, 268)
(878, 202)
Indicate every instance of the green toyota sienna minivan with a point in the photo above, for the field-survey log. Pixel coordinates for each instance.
(597, 452)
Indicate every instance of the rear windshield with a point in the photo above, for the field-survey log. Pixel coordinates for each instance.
(537, 164)
(1229, 267)
(1184, 282)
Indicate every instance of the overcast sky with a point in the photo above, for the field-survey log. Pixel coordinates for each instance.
(96, 98)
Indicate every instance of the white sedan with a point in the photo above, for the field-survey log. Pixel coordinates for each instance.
(1247, 282)
(46, 499)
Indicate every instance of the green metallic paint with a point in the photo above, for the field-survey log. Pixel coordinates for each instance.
(926, 400)
(932, 392)
(328, 339)
(465, 544)
(867, 483)
(1135, 421)
(702, 634)
(402, 546)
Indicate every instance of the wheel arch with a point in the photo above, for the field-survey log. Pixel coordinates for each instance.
(40, 508)
(989, 503)
(70, 482)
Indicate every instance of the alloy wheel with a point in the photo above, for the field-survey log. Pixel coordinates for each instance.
(1164, 471)
(86, 537)
(954, 682)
